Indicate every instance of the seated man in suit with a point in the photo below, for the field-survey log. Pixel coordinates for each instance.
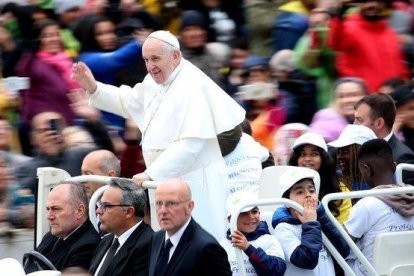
(72, 238)
(378, 112)
(182, 247)
(125, 250)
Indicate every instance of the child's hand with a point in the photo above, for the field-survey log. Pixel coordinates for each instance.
(309, 211)
(239, 240)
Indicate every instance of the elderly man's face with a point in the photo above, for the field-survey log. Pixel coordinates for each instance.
(160, 63)
(173, 208)
(63, 215)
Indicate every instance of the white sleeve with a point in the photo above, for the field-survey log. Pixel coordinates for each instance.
(176, 158)
(116, 99)
(274, 248)
(359, 221)
(288, 238)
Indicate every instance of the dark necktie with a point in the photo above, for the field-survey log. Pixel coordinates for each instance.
(109, 256)
(163, 258)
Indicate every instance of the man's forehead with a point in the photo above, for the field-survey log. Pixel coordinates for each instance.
(111, 194)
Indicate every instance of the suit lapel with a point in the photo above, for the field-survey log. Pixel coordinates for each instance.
(126, 248)
(182, 247)
(100, 252)
(156, 244)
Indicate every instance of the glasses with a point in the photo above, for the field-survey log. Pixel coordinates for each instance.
(168, 204)
(103, 205)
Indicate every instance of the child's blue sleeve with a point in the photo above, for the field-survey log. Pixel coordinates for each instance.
(306, 255)
(265, 264)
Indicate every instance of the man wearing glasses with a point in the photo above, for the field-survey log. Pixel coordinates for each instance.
(182, 247)
(72, 238)
(125, 250)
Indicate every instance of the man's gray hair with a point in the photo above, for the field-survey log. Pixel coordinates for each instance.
(131, 195)
(109, 162)
(77, 195)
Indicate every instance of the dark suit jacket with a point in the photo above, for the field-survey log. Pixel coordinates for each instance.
(402, 154)
(131, 258)
(197, 253)
(76, 250)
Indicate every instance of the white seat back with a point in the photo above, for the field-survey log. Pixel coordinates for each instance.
(11, 267)
(394, 251)
(267, 182)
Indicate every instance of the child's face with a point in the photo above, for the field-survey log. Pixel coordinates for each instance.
(249, 221)
(303, 190)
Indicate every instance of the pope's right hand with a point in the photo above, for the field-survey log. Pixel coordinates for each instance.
(82, 74)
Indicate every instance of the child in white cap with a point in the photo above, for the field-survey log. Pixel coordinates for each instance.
(310, 151)
(263, 254)
(300, 234)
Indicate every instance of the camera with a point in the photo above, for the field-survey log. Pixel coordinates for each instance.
(54, 125)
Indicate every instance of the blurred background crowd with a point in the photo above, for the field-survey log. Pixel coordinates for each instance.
(293, 65)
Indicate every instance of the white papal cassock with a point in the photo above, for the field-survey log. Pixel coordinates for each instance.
(179, 122)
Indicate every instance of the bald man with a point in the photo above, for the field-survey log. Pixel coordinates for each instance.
(180, 111)
(72, 238)
(192, 251)
(99, 162)
(49, 149)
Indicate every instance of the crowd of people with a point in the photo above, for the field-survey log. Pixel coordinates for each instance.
(201, 96)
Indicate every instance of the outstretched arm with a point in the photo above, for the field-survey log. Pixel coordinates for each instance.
(82, 74)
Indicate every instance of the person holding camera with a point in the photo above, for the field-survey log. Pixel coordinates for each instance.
(47, 140)
(367, 47)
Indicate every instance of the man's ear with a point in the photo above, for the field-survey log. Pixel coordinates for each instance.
(111, 173)
(80, 211)
(379, 123)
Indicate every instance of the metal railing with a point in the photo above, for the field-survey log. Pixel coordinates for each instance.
(359, 194)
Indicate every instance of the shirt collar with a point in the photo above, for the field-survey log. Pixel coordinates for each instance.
(174, 73)
(122, 238)
(388, 137)
(175, 238)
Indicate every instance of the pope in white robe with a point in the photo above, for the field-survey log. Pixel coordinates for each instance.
(180, 111)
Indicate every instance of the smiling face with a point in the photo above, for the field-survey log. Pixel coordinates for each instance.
(347, 95)
(309, 157)
(344, 159)
(50, 40)
(160, 60)
(248, 222)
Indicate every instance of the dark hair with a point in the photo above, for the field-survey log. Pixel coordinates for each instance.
(355, 80)
(327, 172)
(131, 195)
(379, 149)
(354, 175)
(382, 106)
(84, 31)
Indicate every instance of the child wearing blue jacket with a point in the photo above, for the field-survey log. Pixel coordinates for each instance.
(300, 234)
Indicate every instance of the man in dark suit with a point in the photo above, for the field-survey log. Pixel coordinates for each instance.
(182, 247)
(378, 112)
(125, 251)
(72, 238)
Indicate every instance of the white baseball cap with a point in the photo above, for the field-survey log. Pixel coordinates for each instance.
(236, 199)
(167, 37)
(310, 138)
(353, 134)
(293, 175)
